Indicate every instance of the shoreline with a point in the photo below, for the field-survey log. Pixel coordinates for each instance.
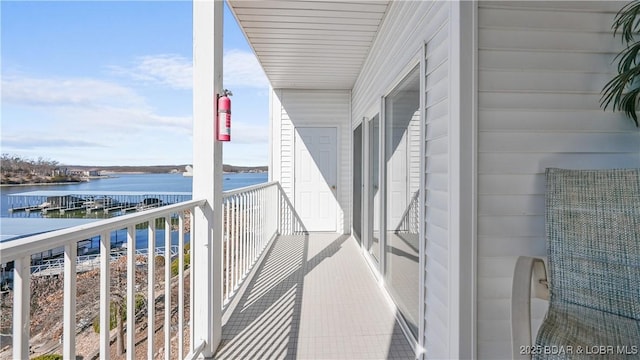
(111, 175)
(44, 184)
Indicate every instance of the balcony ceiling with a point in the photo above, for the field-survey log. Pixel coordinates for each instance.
(310, 44)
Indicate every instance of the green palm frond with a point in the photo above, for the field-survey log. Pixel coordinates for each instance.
(627, 21)
(623, 91)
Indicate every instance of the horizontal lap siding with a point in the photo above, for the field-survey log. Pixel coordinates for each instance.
(406, 28)
(437, 194)
(313, 108)
(541, 67)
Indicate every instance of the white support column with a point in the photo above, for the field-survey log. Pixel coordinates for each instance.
(207, 174)
(462, 179)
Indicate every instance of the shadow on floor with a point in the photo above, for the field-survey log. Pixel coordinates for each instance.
(266, 321)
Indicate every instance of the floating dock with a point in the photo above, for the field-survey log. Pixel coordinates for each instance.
(108, 203)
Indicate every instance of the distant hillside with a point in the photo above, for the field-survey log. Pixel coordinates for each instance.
(16, 170)
(163, 169)
(231, 168)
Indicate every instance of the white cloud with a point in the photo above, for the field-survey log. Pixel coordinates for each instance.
(55, 91)
(88, 120)
(242, 69)
(85, 120)
(83, 103)
(241, 154)
(35, 141)
(243, 133)
(174, 71)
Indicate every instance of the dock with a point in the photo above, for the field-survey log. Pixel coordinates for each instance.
(84, 203)
(25, 209)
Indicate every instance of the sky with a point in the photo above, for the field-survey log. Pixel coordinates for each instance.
(110, 83)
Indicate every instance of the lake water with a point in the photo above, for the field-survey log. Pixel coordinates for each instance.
(138, 182)
(134, 183)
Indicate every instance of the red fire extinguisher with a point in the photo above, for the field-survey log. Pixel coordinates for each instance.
(224, 116)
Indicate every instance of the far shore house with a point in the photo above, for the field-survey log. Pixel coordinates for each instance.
(416, 132)
(82, 172)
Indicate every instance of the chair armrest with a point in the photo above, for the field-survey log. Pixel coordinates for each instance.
(528, 271)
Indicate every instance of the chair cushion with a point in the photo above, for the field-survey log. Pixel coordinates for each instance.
(593, 238)
(573, 331)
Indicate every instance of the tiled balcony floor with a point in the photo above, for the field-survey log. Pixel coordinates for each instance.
(313, 297)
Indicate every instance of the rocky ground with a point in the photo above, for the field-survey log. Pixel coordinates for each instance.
(21, 179)
(47, 307)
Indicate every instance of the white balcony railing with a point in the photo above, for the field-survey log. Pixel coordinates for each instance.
(252, 217)
(90, 262)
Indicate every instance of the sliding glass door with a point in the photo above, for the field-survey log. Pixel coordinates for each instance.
(402, 182)
(386, 193)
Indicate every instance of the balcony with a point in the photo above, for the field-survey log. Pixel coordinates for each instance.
(312, 297)
(285, 293)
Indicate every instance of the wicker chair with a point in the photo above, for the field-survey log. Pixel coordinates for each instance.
(593, 248)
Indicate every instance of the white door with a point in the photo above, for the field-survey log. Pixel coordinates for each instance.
(315, 184)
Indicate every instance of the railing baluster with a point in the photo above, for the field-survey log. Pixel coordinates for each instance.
(227, 230)
(261, 208)
(249, 231)
(131, 295)
(256, 231)
(181, 284)
(254, 210)
(246, 231)
(280, 212)
(269, 214)
(167, 287)
(230, 224)
(151, 284)
(256, 224)
(22, 299)
(239, 237)
(105, 294)
(192, 282)
(274, 214)
(69, 317)
(252, 240)
(236, 241)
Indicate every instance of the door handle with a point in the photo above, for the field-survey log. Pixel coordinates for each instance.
(333, 187)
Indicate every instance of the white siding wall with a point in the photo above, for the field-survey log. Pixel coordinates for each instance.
(541, 67)
(437, 186)
(312, 108)
(406, 28)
